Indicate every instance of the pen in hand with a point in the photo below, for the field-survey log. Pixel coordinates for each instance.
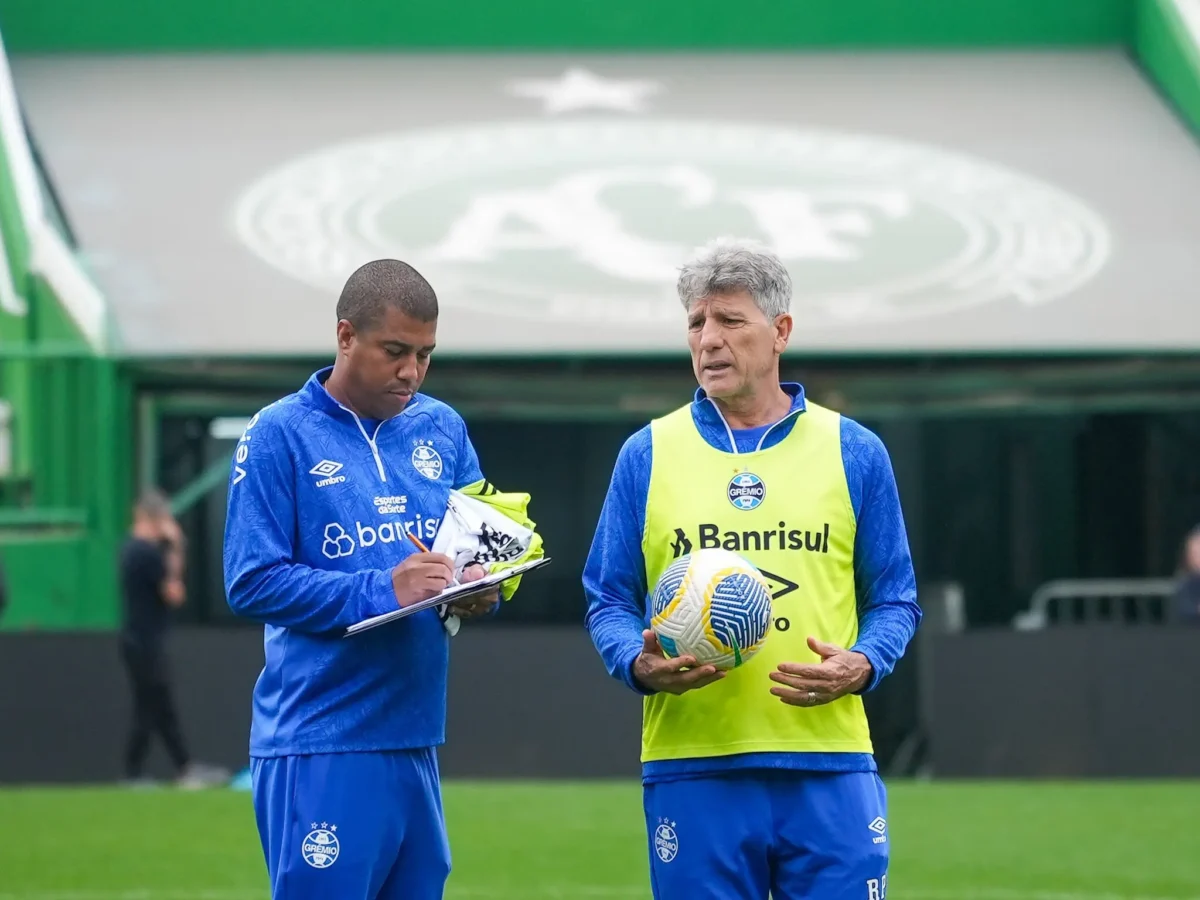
(412, 537)
(420, 546)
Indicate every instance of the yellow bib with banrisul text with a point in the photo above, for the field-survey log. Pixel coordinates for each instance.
(787, 510)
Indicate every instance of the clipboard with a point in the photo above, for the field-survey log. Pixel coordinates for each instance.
(449, 595)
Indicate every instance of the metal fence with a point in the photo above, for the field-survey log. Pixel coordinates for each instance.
(1102, 600)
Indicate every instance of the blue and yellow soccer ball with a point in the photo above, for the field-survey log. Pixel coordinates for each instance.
(713, 605)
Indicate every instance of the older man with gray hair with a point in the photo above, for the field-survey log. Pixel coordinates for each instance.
(759, 780)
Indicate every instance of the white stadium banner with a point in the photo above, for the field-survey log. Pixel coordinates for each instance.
(948, 203)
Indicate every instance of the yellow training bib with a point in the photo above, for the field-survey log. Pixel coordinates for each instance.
(787, 510)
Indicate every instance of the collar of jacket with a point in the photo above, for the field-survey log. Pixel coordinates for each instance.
(705, 411)
(315, 395)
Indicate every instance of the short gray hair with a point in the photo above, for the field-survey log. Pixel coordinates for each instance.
(727, 265)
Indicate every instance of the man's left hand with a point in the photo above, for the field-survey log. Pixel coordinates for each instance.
(839, 672)
(477, 604)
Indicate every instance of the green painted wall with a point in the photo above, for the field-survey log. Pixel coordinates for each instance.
(45, 333)
(140, 25)
(59, 545)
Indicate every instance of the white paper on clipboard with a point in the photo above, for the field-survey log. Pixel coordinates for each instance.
(450, 594)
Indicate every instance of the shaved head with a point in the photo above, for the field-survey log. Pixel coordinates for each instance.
(386, 284)
(387, 329)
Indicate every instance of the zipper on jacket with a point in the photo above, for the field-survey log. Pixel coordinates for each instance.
(729, 431)
(371, 438)
(370, 441)
(761, 440)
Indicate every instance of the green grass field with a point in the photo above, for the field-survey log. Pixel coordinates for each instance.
(949, 841)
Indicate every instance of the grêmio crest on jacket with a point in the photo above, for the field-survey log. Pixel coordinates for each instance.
(426, 459)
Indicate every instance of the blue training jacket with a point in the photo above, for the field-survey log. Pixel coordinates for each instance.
(614, 577)
(319, 500)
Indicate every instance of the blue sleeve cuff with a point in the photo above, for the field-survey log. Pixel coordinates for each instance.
(628, 658)
(877, 673)
(382, 598)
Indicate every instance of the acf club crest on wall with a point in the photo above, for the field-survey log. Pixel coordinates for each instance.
(587, 218)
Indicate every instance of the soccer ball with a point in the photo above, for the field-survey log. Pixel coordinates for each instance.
(713, 605)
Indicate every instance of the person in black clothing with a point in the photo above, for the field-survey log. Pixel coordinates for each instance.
(151, 572)
(1187, 591)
